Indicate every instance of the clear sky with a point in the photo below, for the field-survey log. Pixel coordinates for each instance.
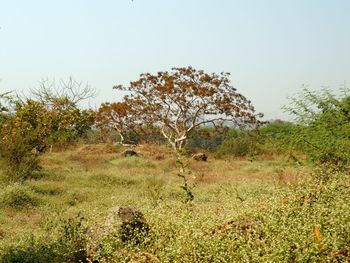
(271, 47)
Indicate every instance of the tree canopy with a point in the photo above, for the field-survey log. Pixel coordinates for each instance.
(183, 99)
(119, 116)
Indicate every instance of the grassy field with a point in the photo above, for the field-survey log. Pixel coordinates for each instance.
(264, 210)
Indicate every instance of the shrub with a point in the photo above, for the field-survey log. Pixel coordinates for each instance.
(35, 126)
(17, 196)
(239, 145)
(65, 241)
(206, 138)
(277, 135)
(27, 167)
(29, 250)
(22, 138)
(323, 126)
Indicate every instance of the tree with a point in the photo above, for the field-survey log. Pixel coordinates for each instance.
(21, 134)
(69, 121)
(48, 118)
(119, 116)
(323, 124)
(184, 99)
(71, 91)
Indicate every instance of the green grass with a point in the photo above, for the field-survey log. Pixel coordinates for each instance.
(243, 211)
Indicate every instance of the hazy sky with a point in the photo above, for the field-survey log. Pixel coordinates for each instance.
(271, 47)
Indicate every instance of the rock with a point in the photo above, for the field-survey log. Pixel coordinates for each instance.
(129, 214)
(200, 157)
(134, 226)
(130, 153)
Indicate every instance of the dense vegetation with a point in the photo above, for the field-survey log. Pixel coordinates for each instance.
(270, 192)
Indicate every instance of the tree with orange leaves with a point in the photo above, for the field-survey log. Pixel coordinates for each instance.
(119, 116)
(182, 100)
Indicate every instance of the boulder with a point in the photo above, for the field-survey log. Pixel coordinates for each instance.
(130, 153)
(200, 157)
(134, 226)
(129, 214)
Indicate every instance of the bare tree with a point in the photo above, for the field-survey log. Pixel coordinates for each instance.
(70, 90)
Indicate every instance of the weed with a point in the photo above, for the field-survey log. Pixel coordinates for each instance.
(186, 186)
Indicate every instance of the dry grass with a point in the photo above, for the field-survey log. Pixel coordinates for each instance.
(96, 178)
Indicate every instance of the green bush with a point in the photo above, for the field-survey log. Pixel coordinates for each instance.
(64, 241)
(323, 125)
(239, 145)
(28, 251)
(27, 166)
(36, 125)
(277, 136)
(17, 196)
(22, 138)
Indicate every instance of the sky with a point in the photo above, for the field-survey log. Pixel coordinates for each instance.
(270, 47)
